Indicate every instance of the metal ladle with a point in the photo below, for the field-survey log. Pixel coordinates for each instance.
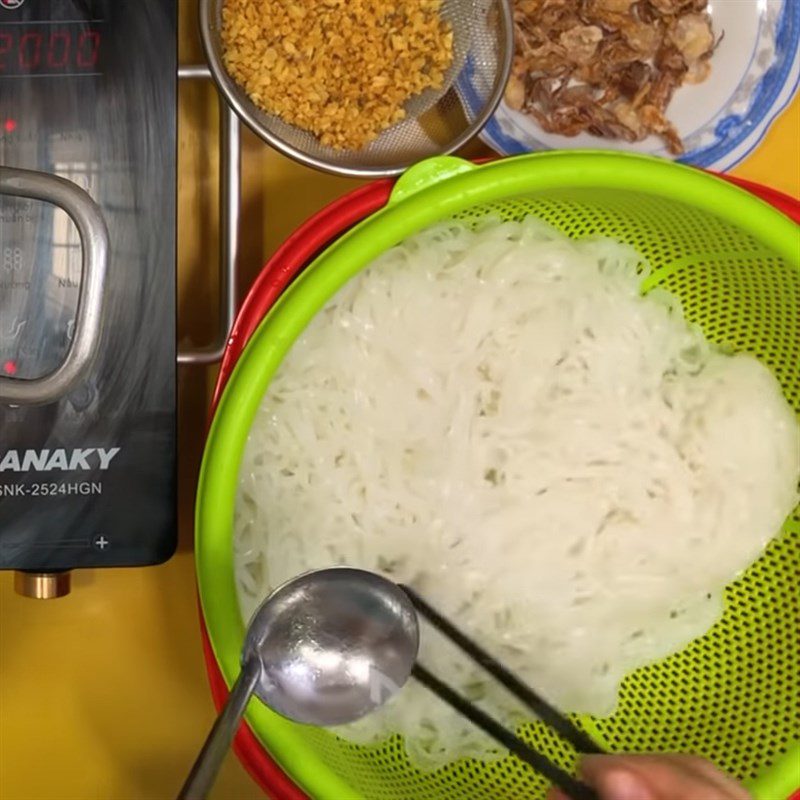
(331, 646)
(325, 648)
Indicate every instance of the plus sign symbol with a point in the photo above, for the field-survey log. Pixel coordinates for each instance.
(100, 542)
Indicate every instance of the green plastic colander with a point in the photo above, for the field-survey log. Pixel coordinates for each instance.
(732, 696)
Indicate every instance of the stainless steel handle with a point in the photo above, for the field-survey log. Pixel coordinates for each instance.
(93, 234)
(206, 767)
(230, 169)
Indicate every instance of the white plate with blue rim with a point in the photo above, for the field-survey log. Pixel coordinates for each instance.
(755, 72)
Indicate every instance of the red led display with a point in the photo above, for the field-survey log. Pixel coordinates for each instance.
(49, 50)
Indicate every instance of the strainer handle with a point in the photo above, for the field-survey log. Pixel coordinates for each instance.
(427, 173)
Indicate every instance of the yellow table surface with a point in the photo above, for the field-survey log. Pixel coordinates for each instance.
(103, 694)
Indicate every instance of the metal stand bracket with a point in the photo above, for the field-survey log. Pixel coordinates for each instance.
(230, 185)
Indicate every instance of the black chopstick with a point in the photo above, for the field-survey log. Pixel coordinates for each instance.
(547, 713)
(573, 787)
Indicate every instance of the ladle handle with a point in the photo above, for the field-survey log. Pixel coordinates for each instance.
(205, 769)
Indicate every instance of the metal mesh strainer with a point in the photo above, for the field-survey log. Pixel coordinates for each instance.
(438, 121)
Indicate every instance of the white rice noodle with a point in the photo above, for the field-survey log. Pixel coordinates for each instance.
(567, 469)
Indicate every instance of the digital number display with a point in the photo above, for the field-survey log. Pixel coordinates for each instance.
(33, 49)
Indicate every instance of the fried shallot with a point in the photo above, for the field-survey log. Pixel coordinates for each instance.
(608, 67)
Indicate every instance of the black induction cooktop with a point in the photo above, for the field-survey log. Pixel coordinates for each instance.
(88, 93)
